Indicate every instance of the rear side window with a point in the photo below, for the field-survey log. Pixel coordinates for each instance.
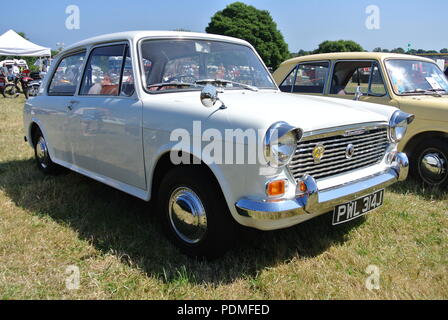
(67, 75)
(307, 78)
(288, 83)
(108, 72)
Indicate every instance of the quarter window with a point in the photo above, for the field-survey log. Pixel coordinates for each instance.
(67, 75)
(288, 83)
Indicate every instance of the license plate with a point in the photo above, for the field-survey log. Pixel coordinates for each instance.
(357, 208)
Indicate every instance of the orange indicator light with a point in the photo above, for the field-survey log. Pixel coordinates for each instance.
(276, 188)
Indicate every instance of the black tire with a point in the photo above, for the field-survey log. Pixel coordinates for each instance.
(33, 91)
(25, 91)
(438, 147)
(43, 160)
(11, 91)
(221, 231)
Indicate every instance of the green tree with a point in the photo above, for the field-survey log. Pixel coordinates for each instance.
(444, 50)
(398, 50)
(255, 26)
(339, 46)
(301, 53)
(23, 35)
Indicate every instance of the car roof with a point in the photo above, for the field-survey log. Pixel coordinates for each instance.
(353, 55)
(136, 35)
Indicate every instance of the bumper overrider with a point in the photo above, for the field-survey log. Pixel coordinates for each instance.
(268, 215)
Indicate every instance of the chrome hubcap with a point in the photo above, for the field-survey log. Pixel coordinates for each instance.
(433, 167)
(42, 152)
(187, 215)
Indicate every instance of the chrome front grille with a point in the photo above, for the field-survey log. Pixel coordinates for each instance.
(369, 148)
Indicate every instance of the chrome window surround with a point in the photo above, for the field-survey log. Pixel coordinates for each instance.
(142, 71)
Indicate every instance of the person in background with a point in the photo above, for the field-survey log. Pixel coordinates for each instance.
(15, 70)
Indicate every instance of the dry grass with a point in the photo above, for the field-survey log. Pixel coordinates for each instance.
(49, 223)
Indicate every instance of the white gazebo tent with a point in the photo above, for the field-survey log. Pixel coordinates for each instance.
(12, 44)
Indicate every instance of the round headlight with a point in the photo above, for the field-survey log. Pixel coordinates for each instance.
(280, 144)
(398, 125)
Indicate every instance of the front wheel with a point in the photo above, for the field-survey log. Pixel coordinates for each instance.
(194, 214)
(430, 163)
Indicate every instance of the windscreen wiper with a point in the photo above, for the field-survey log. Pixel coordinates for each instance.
(436, 90)
(430, 91)
(225, 82)
(174, 84)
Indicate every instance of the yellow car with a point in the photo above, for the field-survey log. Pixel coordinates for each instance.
(414, 84)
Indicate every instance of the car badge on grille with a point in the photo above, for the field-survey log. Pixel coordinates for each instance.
(318, 153)
(354, 132)
(349, 151)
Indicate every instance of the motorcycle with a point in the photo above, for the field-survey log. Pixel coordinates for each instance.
(12, 89)
(2, 85)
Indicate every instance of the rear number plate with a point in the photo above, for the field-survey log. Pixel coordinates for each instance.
(357, 208)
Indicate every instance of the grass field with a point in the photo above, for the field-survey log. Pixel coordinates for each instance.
(50, 223)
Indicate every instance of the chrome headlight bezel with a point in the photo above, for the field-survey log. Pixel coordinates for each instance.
(398, 125)
(280, 133)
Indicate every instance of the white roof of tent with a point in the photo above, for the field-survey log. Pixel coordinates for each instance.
(12, 44)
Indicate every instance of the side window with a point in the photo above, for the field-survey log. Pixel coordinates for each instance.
(127, 80)
(103, 71)
(67, 75)
(311, 77)
(348, 75)
(287, 84)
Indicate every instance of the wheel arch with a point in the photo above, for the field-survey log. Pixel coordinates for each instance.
(34, 126)
(164, 164)
(412, 144)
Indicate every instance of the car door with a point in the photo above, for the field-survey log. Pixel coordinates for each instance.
(61, 95)
(108, 115)
(347, 75)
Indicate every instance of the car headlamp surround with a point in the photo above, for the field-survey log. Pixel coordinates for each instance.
(398, 125)
(280, 143)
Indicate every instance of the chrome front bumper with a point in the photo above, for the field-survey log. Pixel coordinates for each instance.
(270, 215)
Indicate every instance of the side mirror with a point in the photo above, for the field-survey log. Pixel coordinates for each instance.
(209, 96)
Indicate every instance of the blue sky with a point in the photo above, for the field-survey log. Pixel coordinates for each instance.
(304, 23)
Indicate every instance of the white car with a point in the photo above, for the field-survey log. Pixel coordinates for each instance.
(198, 125)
